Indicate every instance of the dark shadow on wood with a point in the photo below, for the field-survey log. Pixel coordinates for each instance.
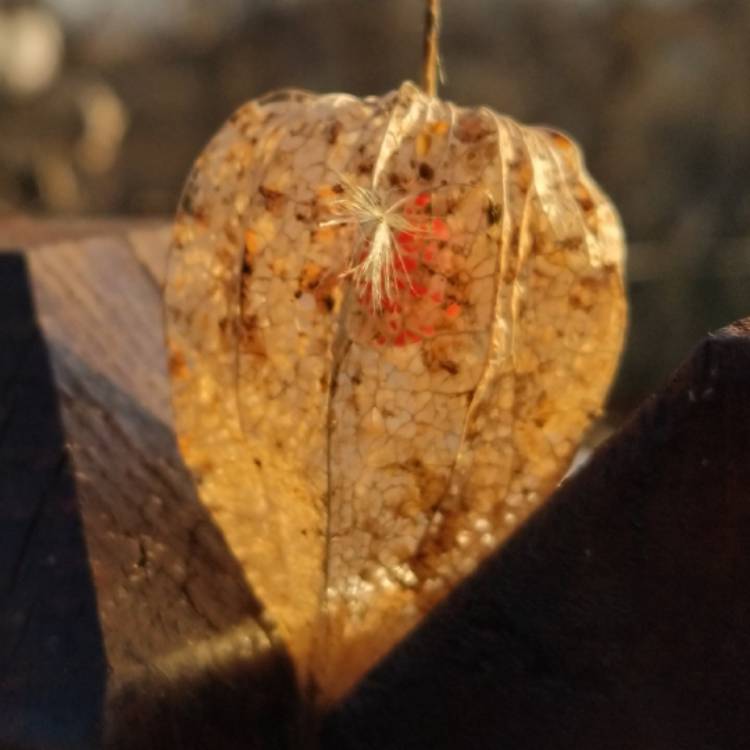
(223, 695)
(125, 620)
(618, 617)
(190, 666)
(186, 640)
(165, 577)
(52, 666)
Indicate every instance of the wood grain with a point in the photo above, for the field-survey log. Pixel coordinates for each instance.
(172, 604)
(618, 617)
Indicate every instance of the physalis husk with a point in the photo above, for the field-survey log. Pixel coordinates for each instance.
(390, 322)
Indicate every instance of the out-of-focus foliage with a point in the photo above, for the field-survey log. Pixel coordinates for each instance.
(105, 104)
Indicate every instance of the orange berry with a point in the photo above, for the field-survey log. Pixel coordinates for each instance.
(440, 229)
(405, 240)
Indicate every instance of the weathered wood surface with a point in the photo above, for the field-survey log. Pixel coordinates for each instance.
(113, 578)
(617, 618)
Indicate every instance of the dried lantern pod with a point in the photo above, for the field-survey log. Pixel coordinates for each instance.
(390, 321)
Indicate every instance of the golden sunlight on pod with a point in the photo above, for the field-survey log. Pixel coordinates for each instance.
(390, 322)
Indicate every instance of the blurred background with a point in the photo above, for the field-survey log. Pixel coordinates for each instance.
(105, 103)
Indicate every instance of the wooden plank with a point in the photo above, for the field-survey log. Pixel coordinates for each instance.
(618, 617)
(48, 621)
(165, 614)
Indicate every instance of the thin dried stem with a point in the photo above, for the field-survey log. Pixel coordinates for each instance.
(431, 62)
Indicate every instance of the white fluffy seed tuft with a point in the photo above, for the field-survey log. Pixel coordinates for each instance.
(376, 223)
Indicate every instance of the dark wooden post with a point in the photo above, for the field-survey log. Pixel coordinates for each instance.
(618, 617)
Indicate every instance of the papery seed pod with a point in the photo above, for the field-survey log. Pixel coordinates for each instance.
(390, 321)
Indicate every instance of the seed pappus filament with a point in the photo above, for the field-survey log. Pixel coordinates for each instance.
(372, 263)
